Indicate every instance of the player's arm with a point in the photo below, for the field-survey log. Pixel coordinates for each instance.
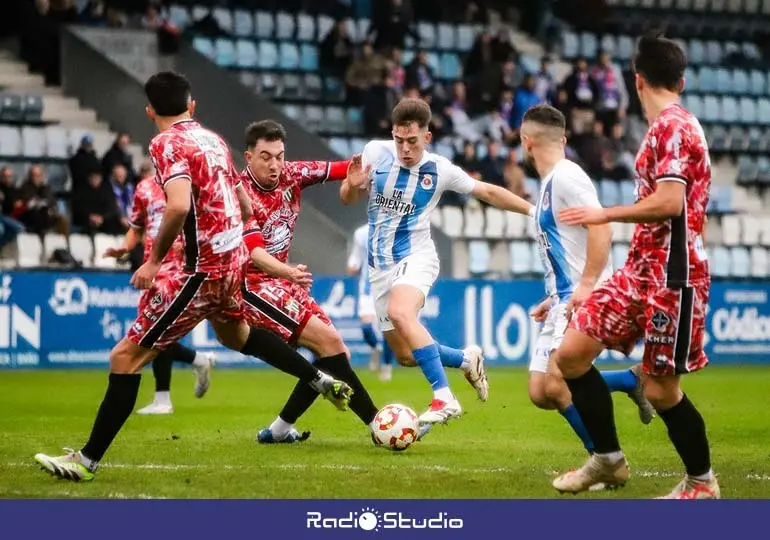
(244, 202)
(666, 202)
(599, 243)
(178, 195)
(501, 198)
(261, 259)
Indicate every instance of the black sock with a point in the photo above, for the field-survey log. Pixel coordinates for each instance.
(279, 354)
(300, 400)
(591, 397)
(687, 431)
(161, 370)
(116, 407)
(180, 353)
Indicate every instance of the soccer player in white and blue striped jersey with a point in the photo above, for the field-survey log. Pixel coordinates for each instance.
(405, 183)
(575, 259)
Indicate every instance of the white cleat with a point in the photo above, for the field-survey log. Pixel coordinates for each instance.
(597, 470)
(157, 408)
(386, 372)
(70, 466)
(203, 374)
(476, 374)
(440, 412)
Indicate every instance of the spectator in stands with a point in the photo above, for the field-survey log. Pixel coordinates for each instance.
(379, 101)
(396, 66)
(439, 125)
(419, 74)
(612, 167)
(83, 162)
(391, 23)
(506, 105)
(363, 73)
(624, 149)
(467, 160)
(514, 177)
(9, 227)
(152, 19)
(118, 155)
(502, 47)
(62, 11)
(92, 14)
(525, 98)
(545, 84)
(493, 166)
(94, 209)
(38, 210)
(123, 192)
(582, 97)
(456, 112)
(590, 147)
(512, 74)
(336, 50)
(613, 94)
(479, 56)
(495, 126)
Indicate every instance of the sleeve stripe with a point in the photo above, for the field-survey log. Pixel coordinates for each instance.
(667, 178)
(176, 177)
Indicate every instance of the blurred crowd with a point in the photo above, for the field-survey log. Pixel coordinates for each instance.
(99, 201)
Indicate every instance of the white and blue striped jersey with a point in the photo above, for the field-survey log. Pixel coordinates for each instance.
(358, 259)
(402, 199)
(563, 247)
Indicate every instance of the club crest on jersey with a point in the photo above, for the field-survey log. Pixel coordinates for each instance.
(427, 181)
(156, 300)
(546, 202)
(660, 321)
(292, 306)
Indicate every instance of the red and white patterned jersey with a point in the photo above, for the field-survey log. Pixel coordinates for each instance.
(147, 213)
(671, 253)
(212, 233)
(275, 211)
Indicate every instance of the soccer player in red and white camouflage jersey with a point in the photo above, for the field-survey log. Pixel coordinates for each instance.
(204, 202)
(276, 294)
(660, 295)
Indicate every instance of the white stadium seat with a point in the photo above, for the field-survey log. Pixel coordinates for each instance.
(452, 218)
(474, 221)
(52, 242)
(495, 223)
(30, 250)
(102, 242)
(82, 249)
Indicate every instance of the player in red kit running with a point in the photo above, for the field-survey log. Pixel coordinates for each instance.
(146, 214)
(276, 295)
(204, 205)
(661, 293)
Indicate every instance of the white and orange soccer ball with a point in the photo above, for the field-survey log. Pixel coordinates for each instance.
(396, 427)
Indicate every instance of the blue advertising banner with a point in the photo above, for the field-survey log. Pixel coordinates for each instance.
(51, 319)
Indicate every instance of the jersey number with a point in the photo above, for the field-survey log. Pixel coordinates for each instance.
(227, 195)
(400, 271)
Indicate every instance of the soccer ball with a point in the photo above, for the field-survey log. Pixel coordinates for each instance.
(395, 427)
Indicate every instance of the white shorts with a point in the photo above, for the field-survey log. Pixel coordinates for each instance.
(419, 271)
(550, 338)
(365, 306)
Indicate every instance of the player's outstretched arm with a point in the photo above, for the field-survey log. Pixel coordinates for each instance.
(132, 238)
(502, 198)
(272, 266)
(354, 184)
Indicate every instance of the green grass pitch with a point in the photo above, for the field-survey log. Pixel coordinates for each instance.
(502, 449)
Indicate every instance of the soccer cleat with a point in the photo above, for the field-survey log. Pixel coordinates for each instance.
(265, 436)
(597, 470)
(646, 410)
(440, 412)
(339, 393)
(690, 488)
(203, 374)
(68, 467)
(423, 431)
(386, 372)
(476, 374)
(157, 408)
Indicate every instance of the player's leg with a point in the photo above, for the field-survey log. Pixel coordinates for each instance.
(370, 335)
(386, 363)
(674, 336)
(161, 372)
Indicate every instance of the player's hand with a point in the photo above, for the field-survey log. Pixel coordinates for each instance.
(115, 253)
(145, 275)
(579, 295)
(540, 312)
(583, 215)
(301, 276)
(357, 174)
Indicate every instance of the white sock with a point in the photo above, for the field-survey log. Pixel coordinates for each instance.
(164, 398)
(201, 359)
(280, 428)
(90, 464)
(612, 457)
(708, 477)
(444, 394)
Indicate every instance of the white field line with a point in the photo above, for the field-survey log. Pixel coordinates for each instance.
(344, 467)
(76, 495)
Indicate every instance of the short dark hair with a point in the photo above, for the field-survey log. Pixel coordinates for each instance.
(268, 130)
(168, 93)
(411, 110)
(661, 61)
(545, 115)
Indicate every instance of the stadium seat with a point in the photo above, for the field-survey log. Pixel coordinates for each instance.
(306, 29)
(453, 221)
(32, 252)
(747, 114)
(224, 51)
(264, 24)
(625, 48)
(753, 139)
(479, 255)
(33, 108)
(362, 27)
(56, 142)
(759, 262)
(246, 56)
(609, 193)
(764, 230)
(697, 52)
(32, 142)
(335, 121)
(691, 80)
(436, 219)
(355, 121)
(714, 232)
(292, 111)
(749, 230)
(521, 258)
(82, 249)
(720, 262)
(694, 104)
(724, 82)
(313, 87)
(707, 80)
(268, 84)
(291, 87)
(324, 25)
(588, 45)
(729, 110)
(427, 32)
(179, 16)
(714, 52)
(740, 82)
(450, 67)
(268, 55)
(445, 149)
(243, 23)
(536, 262)
(763, 111)
(627, 192)
(711, 110)
(52, 242)
(474, 221)
(308, 57)
(608, 45)
(747, 170)
(514, 225)
(465, 37)
(224, 18)
(314, 117)
(717, 137)
(102, 242)
(11, 107)
(204, 46)
(58, 178)
(285, 26)
(288, 56)
(494, 220)
(731, 230)
(763, 169)
(757, 83)
(740, 262)
(340, 146)
(570, 45)
(446, 37)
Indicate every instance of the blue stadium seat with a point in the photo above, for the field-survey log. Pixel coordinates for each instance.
(285, 26)
(740, 262)
(691, 81)
(751, 51)
(763, 111)
(482, 151)
(224, 18)
(268, 55)
(529, 63)
(444, 149)
(446, 37)
(355, 121)
(714, 52)
(314, 118)
(33, 108)
(694, 104)
(306, 29)
(763, 169)
(724, 81)
(407, 56)
(588, 45)
(335, 120)
(362, 27)
(427, 32)
(204, 46)
(324, 25)
(570, 45)
(627, 192)
(268, 84)
(717, 138)
(737, 138)
(264, 24)
(757, 83)
(748, 111)
(625, 48)
(711, 111)
(313, 87)
(179, 16)
(609, 45)
(308, 58)
(434, 61)
(707, 80)
(479, 256)
(720, 262)
(465, 37)
(520, 258)
(224, 50)
(334, 90)
(740, 82)
(288, 56)
(533, 185)
(697, 52)
(450, 67)
(292, 111)
(609, 193)
(340, 146)
(243, 23)
(747, 170)
(290, 86)
(246, 56)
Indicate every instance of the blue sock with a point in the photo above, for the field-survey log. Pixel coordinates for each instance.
(572, 416)
(369, 336)
(387, 353)
(450, 357)
(622, 380)
(429, 360)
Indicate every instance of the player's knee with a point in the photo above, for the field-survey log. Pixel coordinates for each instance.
(537, 394)
(402, 317)
(331, 344)
(661, 396)
(406, 359)
(556, 391)
(126, 358)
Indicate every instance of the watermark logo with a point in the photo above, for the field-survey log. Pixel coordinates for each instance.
(371, 519)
